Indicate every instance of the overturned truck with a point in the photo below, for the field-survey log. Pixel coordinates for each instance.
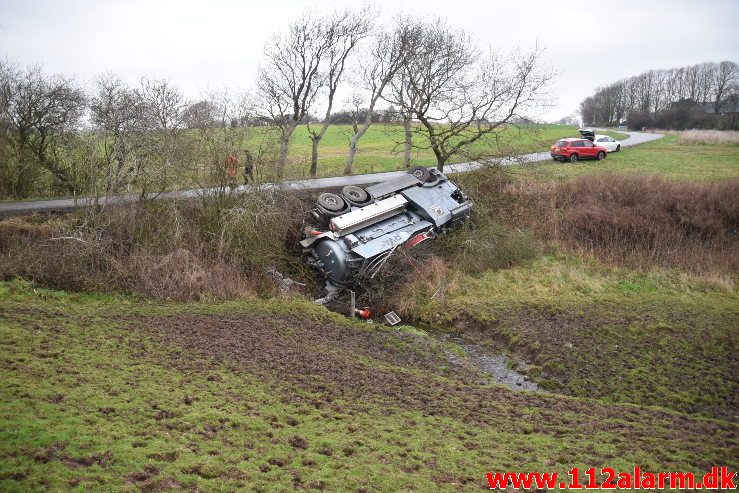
(350, 236)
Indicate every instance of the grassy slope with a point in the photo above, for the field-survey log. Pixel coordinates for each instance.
(590, 330)
(665, 156)
(95, 400)
(659, 338)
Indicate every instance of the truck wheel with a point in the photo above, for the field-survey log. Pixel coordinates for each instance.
(355, 194)
(420, 172)
(331, 202)
(573, 158)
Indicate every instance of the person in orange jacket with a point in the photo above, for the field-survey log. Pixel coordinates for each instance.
(231, 164)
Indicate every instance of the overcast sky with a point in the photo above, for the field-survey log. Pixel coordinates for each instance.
(204, 45)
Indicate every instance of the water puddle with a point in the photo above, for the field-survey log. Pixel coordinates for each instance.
(493, 365)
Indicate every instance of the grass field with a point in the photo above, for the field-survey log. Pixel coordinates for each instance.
(381, 148)
(666, 157)
(119, 394)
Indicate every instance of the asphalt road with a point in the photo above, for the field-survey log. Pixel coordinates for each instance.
(63, 205)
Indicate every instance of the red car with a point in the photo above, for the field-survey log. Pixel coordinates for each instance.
(572, 149)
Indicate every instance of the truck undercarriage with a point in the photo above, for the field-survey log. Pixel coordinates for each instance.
(350, 236)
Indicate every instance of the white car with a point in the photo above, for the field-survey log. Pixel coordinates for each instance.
(609, 143)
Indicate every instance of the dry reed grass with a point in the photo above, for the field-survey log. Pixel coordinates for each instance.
(648, 221)
(632, 220)
(709, 137)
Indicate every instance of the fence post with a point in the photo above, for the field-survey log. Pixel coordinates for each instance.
(442, 292)
(354, 305)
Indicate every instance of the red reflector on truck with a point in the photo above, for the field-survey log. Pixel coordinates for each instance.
(418, 239)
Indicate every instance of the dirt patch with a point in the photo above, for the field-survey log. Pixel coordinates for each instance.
(102, 459)
(45, 454)
(146, 480)
(298, 442)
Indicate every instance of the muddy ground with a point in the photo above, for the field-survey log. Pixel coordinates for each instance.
(125, 397)
(321, 359)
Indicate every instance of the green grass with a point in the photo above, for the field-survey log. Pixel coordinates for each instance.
(652, 338)
(381, 148)
(666, 157)
(94, 400)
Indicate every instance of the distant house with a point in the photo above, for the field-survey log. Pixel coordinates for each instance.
(728, 107)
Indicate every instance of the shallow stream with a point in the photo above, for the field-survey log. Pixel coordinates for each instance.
(494, 365)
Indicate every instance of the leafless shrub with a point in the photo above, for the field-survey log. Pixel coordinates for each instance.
(417, 267)
(163, 249)
(511, 202)
(38, 113)
(182, 275)
(422, 283)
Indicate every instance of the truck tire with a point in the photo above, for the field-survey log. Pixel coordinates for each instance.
(355, 195)
(421, 172)
(331, 202)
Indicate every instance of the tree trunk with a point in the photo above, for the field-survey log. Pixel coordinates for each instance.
(314, 155)
(408, 140)
(435, 146)
(284, 144)
(284, 141)
(353, 151)
(353, 144)
(316, 137)
(440, 161)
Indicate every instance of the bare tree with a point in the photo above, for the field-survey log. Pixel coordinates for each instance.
(117, 112)
(164, 103)
(162, 146)
(222, 139)
(343, 31)
(462, 96)
(405, 99)
(37, 112)
(725, 80)
(587, 111)
(380, 66)
(290, 78)
(569, 120)
(358, 113)
(706, 79)
(200, 115)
